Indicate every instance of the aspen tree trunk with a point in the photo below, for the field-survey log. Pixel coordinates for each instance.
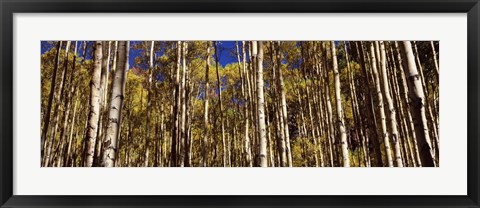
(280, 133)
(397, 68)
(173, 152)
(254, 106)
(417, 106)
(312, 124)
(329, 107)
(163, 136)
(338, 97)
(435, 143)
(205, 117)
(435, 60)
(183, 130)
(95, 97)
(56, 114)
(46, 119)
(114, 61)
(405, 95)
(370, 123)
(261, 107)
(103, 104)
(391, 108)
(283, 103)
(149, 103)
(70, 138)
(69, 101)
(380, 105)
(247, 108)
(355, 111)
(116, 104)
(219, 87)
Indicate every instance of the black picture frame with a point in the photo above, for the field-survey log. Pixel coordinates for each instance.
(9, 7)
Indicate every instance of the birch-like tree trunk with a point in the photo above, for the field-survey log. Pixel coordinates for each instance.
(283, 102)
(149, 103)
(380, 105)
(417, 106)
(391, 108)
(338, 97)
(56, 113)
(219, 87)
(183, 132)
(261, 107)
(173, 151)
(94, 113)
(205, 111)
(116, 105)
(46, 119)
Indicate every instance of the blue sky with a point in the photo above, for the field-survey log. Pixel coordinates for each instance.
(225, 51)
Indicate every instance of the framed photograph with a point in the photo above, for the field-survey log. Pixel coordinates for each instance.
(266, 103)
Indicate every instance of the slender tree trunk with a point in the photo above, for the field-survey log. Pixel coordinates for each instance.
(95, 97)
(103, 103)
(261, 107)
(205, 117)
(219, 87)
(284, 107)
(370, 123)
(247, 107)
(46, 119)
(116, 104)
(69, 101)
(338, 97)
(435, 60)
(380, 105)
(149, 103)
(417, 106)
(405, 95)
(173, 152)
(391, 108)
(183, 127)
(56, 113)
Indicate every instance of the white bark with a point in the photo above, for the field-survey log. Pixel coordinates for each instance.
(95, 97)
(391, 108)
(261, 106)
(338, 97)
(380, 105)
(417, 106)
(116, 104)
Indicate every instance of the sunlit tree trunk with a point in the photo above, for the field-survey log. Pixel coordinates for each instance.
(434, 54)
(283, 102)
(173, 151)
(149, 102)
(69, 100)
(95, 97)
(405, 95)
(417, 106)
(219, 87)
(56, 114)
(391, 108)
(183, 127)
(103, 102)
(46, 119)
(380, 105)
(331, 130)
(261, 107)
(338, 97)
(370, 113)
(116, 104)
(205, 116)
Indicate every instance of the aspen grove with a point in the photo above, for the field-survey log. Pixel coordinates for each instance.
(239, 104)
